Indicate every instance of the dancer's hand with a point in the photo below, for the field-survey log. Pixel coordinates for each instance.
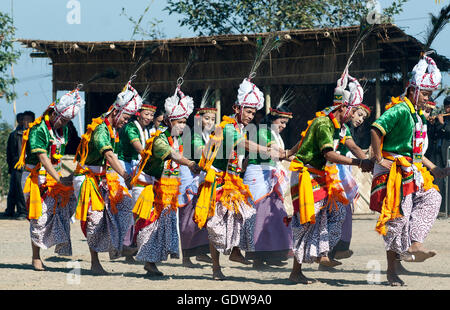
(366, 165)
(67, 181)
(439, 172)
(386, 163)
(127, 177)
(194, 167)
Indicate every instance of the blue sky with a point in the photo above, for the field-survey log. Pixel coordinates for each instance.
(101, 20)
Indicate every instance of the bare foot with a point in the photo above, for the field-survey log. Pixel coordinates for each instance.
(327, 262)
(419, 253)
(400, 269)
(325, 268)
(300, 278)
(203, 258)
(259, 265)
(393, 279)
(129, 251)
(130, 259)
(188, 264)
(152, 270)
(343, 254)
(37, 264)
(218, 275)
(236, 256)
(98, 270)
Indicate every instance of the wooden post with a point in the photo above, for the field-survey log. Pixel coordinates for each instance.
(267, 99)
(377, 97)
(217, 101)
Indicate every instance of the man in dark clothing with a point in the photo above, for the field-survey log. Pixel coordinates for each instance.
(15, 194)
(439, 142)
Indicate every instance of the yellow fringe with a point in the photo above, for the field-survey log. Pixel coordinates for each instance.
(83, 148)
(145, 156)
(166, 192)
(25, 136)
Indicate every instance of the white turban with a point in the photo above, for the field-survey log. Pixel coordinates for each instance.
(69, 105)
(423, 80)
(179, 107)
(351, 97)
(249, 96)
(128, 101)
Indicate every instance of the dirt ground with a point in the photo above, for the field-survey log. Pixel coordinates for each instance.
(365, 270)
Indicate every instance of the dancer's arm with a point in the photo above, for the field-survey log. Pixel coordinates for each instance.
(113, 161)
(355, 149)
(376, 147)
(332, 156)
(435, 170)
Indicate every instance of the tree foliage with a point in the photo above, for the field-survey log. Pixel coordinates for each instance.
(8, 56)
(252, 16)
(5, 130)
(151, 30)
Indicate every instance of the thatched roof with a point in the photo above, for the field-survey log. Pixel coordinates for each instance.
(313, 56)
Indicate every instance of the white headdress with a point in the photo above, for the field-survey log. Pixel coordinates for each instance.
(179, 105)
(128, 101)
(249, 95)
(351, 97)
(69, 105)
(425, 75)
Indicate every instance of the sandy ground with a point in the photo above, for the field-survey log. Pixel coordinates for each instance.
(365, 270)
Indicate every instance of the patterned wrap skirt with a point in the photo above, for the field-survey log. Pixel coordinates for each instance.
(105, 231)
(158, 239)
(52, 228)
(315, 240)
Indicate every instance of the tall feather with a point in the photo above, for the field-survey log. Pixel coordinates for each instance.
(364, 31)
(144, 58)
(263, 49)
(437, 23)
(192, 58)
(287, 96)
(206, 97)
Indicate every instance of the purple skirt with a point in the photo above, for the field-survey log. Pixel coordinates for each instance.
(194, 241)
(273, 239)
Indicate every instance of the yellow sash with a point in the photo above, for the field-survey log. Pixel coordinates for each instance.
(89, 193)
(305, 193)
(32, 187)
(144, 204)
(206, 202)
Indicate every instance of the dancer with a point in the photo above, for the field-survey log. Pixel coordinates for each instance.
(132, 140)
(104, 204)
(49, 196)
(350, 149)
(133, 136)
(402, 187)
(268, 182)
(317, 195)
(194, 241)
(156, 186)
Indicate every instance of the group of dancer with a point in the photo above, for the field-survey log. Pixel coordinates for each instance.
(137, 193)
